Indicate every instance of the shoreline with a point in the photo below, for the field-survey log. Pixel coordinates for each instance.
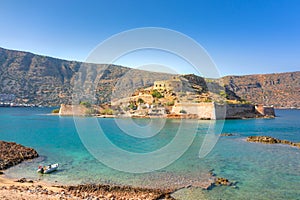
(160, 117)
(11, 189)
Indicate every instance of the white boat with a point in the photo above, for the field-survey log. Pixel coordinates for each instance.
(47, 169)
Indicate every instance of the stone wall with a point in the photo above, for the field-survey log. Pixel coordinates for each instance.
(265, 110)
(238, 111)
(203, 110)
(269, 111)
(72, 110)
(212, 110)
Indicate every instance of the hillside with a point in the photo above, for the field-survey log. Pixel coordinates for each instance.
(42, 80)
(281, 90)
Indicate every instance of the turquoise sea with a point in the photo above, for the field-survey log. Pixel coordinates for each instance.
(261, 171)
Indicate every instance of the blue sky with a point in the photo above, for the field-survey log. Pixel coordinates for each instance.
(242, 37)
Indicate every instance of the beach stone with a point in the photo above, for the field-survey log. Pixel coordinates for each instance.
(22, 180)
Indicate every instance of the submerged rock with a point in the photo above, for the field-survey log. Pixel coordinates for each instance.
(263, 139)
(12, 154)
(223, 181)
(271, 140)
(220, 181)
(296, 144)
(227, 134)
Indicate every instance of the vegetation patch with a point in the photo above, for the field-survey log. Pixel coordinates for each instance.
(55, 111)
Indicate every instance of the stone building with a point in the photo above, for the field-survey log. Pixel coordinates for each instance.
(173, 84)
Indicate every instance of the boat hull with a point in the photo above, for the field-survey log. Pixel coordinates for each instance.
(48, 169)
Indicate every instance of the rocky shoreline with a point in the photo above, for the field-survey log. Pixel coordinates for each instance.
(28, 189)
(12, 154)
(88, 191)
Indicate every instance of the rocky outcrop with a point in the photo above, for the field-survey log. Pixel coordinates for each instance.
(12, 154)
(271, 140)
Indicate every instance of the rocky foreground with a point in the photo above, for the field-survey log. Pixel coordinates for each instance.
(271, 140)
(32, 190)
(91, 192)
(12, 154)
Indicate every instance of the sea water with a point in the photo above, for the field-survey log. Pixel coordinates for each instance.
(261, 171)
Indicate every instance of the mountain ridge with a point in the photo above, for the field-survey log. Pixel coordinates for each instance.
(45, 80)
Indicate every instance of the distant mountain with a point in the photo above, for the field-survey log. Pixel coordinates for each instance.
(44, 80)
(281, 89)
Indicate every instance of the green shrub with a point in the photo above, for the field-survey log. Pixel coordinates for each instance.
(140, 101)
(207, 100)
(170, 103)
(245, 102)
(132, 106)
(55, 111)
(156, 94)
(107, 111)
(182, 112)
(91, 111)
(86, 104)
(223, 94)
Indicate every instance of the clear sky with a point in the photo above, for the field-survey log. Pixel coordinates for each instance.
(242, 36)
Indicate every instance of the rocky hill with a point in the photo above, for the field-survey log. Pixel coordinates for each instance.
(44, 80)
(281, 90)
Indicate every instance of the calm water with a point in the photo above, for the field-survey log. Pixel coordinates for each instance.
(261, 171)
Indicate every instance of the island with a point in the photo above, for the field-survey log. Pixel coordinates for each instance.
(183, 96)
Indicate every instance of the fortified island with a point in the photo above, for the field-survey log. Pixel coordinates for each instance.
(183, 96)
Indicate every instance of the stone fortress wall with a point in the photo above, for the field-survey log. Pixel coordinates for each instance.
(174, 84)
(211, 110)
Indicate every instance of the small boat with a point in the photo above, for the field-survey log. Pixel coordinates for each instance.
(47, 169)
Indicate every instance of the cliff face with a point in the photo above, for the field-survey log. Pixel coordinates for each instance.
(281, 90)
(49, 81)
